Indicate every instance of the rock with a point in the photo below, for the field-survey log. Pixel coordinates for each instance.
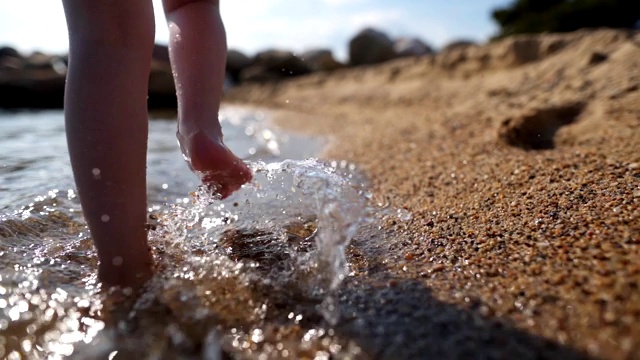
(161, 78)
(7, 51)
(162, 93)
(411, 47)
(273, 65)
(36, 81)
(38, 60)
(42, 61)
(457, 45)
(321, 60)
(370, 46)
(160, 53)
(236, 62)
(11, 63)
(10, 59)
(60, 64)
(36, 88)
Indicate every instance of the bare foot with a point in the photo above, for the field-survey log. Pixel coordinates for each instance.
(217, 166)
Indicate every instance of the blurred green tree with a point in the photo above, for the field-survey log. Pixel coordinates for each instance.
(535, 16)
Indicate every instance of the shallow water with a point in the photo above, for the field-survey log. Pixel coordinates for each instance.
(253, 276)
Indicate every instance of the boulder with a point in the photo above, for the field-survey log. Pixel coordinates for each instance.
(10, 59)
(370, 46)
(60, 64)
(411, 47)
(236, 62)
(160, 53)
(32, 81)
(321, 60)
(7, 51)
(458, 45)
(161, 79)
(162, 93)
(38, 80)
(38, 60)
(273, 65)
(35, 88)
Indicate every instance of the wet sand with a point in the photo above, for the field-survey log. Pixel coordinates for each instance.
(520, 164)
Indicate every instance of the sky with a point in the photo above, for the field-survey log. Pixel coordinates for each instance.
(296, 25)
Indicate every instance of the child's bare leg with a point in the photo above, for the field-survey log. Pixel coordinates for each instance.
(106, 121)
(197, 48)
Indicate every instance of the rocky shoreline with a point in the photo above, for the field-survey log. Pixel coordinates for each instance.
(37, 81)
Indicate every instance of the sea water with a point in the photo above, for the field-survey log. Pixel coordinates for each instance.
(252, 276)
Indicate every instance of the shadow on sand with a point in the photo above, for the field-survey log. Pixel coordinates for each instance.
(393, 318)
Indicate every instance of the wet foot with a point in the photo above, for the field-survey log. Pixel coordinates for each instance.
(219, 169)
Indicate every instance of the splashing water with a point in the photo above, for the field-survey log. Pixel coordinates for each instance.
(253, 275)
(273, 253)
(294, 236)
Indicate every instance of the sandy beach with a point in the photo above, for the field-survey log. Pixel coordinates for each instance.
(519, 161)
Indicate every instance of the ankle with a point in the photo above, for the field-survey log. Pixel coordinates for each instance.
(211, 128)
(121, 272)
